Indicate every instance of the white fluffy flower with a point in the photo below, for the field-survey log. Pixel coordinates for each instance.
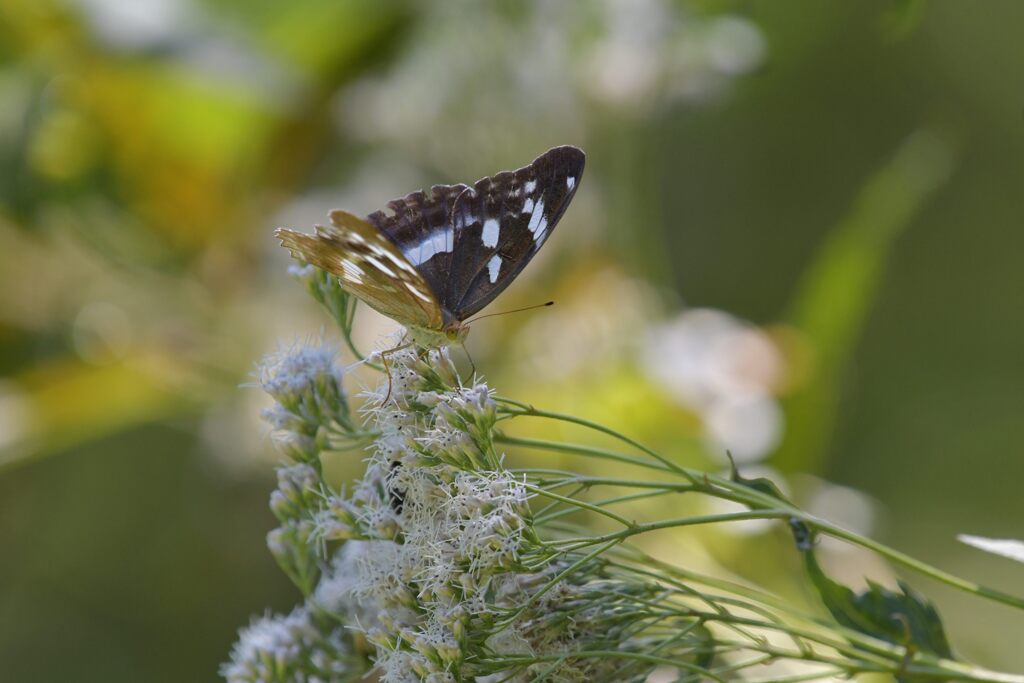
(306, 385)
(287, 647)
(428, 546)
(291, 373)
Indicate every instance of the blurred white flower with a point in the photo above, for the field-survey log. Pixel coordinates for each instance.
(747, 426)
(848, 507)
(734, 45)
(16, 414)
(726, 371)
(625, 55)
(139, 24)
(102, 332)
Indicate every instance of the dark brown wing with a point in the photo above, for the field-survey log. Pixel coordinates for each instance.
(501, 222)
(420, 225)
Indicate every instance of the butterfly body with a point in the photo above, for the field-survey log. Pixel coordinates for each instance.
(430, 260)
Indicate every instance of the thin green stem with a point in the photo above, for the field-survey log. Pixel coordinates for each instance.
(615, 654)
(577, 449)
(739, 492)
(635, 529)
(558, 577)
(529, 411)
(542, 518)
(580, 504)
(912, 563)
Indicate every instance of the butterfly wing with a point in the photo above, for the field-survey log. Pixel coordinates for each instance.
(501, 222)
(420, 225)
(369, 266)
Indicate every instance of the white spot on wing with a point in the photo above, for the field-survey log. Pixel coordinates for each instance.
(493, 268)
(528, 206)
(352, 271)
(491, 231)
(537, 220)
(417, 293)
(379, 265)
(395, 259)
(530, 186)
(543, 237)
(438, 242)
(570, 183)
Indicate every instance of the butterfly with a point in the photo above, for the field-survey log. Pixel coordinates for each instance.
(432, 260)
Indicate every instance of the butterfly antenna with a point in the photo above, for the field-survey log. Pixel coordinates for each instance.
(514, 310)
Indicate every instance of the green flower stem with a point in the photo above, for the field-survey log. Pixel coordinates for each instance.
(558, 577)
(578, 449)
(843, 641)
(635, 529)
(590, 481)
(890, 658)
(912, 563)
(544, 511)
(528, 410)
(545, 518)
(677, 638)
(741, 493)
(839, 673)
(612, 654)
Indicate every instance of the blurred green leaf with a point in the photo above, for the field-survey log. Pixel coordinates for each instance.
(903, 18)
(832, 303)
(68, 402)
(903, 618)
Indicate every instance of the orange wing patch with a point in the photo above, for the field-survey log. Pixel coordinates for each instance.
(369, 266)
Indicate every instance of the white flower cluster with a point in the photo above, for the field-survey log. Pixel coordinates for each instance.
(306, 385)
(443, 519)
(301, 647)
(435, 572)
(727, 371)
(309, 645)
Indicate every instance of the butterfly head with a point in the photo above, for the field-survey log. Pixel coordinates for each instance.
(452, 333)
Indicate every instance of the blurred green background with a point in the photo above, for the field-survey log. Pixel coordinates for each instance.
(799, 237)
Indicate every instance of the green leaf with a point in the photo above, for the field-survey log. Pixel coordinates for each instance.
(835, 297)
(903, 617)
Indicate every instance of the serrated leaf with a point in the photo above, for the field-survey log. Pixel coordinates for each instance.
(903, 617)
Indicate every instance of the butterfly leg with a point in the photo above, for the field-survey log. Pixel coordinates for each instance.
(384, 362)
